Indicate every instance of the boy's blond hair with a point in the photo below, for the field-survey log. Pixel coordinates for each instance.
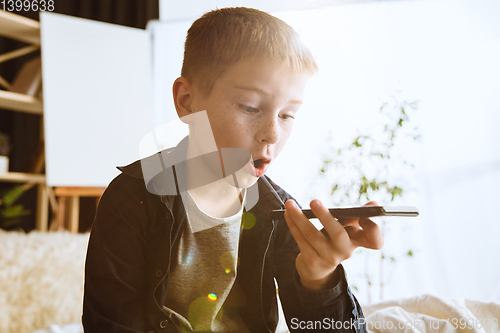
(224, 36)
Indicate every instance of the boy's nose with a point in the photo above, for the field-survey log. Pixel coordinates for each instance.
(270, 131)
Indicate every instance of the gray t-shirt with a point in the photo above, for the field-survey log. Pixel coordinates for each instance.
(203, 270)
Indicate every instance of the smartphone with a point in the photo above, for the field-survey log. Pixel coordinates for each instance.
(356, 212)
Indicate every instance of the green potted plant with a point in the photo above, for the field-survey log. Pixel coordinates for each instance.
(4, 152)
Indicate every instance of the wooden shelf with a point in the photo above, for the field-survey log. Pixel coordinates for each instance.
(25, 30)
(22, 177)
(19, 28)
(20, 102)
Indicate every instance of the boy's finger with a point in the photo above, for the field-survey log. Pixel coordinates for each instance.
(339, 245)
(307, 229)
(330, 223)
(349, 222)
(304, 246)
(319, 243)
(373, 234)
(370, 236)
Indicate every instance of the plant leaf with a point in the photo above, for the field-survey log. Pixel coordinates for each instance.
(14, 211)
(12, 195)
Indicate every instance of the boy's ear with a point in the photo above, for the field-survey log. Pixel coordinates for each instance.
(183, 97)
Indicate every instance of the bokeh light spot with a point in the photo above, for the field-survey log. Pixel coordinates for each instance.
(248, 220)
(226, 261)
(201, 311)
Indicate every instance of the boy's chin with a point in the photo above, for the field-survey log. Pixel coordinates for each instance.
(241, 179)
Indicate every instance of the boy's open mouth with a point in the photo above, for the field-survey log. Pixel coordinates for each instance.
(258, 163)
(260, 166)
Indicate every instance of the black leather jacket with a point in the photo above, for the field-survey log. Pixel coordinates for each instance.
(128, 262)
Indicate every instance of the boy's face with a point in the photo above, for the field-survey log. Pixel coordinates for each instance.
(252, 106)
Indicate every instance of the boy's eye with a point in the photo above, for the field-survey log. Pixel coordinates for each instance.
(249, 109)
(286, 117)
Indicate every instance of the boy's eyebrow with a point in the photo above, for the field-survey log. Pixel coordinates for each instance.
(263, 92)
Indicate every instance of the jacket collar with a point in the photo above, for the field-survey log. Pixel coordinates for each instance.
(159, 177)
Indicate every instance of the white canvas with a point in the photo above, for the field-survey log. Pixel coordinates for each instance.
(97, 98)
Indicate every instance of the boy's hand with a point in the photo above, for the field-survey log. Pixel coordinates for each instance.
(322, 251)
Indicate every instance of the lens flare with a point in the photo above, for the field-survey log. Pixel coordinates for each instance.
(248, 220)
(212, 297)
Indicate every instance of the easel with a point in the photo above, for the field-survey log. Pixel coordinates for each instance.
(69, 202)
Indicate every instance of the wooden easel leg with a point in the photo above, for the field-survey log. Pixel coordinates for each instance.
(74, 210)
(61, 212)
(54, 208)
(42, 208)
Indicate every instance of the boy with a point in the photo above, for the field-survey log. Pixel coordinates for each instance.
(173, 252)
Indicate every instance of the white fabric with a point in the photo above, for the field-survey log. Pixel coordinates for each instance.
(428, 313)
(41, 279)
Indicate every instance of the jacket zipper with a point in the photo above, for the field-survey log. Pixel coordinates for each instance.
(168, 268)
(262, 275)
